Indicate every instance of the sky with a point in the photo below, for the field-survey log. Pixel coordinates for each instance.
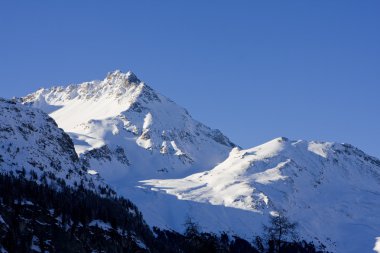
(254, 69)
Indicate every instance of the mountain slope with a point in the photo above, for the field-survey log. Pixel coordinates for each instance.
(332, 190)
(123, 117)
(48, 200)
(33, 146)
(39, 218)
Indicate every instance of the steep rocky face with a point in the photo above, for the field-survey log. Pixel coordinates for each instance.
(34, 147)
(123, 114)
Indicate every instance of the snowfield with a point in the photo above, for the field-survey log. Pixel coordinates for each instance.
(173, 167)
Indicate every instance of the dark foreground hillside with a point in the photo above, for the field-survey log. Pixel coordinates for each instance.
(38, 218)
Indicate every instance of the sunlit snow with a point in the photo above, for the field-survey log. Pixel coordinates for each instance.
(179, 168)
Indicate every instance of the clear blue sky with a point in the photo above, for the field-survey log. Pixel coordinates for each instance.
(254, 69)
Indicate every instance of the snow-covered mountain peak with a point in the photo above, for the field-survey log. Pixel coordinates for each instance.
(117, 75)
(123, 112)
(124, 88)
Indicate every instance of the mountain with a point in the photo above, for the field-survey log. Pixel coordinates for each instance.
(332, 190)
(124, 129)
(174, 168)
(50, 201)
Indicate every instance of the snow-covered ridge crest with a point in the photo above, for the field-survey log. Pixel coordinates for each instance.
(119, 89)
(123, 112)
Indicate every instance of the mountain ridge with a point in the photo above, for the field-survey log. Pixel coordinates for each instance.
(314, 183)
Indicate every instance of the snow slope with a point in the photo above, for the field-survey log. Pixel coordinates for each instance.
(32, 145)
(332, 190)
(122, 117)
